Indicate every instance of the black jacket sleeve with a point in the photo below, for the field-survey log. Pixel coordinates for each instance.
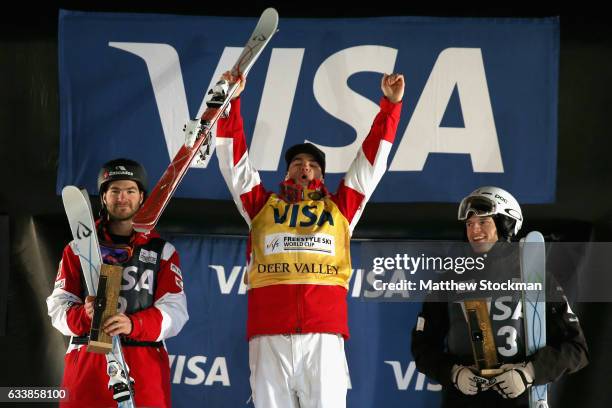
(429, 343)
(566, 349)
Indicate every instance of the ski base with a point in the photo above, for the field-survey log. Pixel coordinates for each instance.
(533, 270)
(149, 214)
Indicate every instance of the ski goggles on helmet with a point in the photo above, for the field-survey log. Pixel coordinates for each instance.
(479, 206)
(116, 254)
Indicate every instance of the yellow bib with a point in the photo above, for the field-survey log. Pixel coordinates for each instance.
(303, 243)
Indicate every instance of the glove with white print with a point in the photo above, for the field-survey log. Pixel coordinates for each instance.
(515, 379)
(467, 381)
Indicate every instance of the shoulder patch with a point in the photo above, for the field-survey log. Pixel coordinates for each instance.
(420, 326)
(147, 256)
(176, 270)
(59, 270)
(59, 284)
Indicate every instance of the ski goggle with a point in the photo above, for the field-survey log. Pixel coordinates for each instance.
(116, 254)
(479, 206)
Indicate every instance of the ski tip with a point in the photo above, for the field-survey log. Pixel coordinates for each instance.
(269, 19)
(534, 236)
(74, 191)
(71, 193)
(69, 190)
(145, 220)
(143, 223)
(144, 228)
(270, 11)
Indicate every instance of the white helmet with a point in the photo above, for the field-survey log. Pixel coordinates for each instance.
(490, 201)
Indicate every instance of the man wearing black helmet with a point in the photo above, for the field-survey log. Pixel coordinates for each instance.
(441, 342)
(299, 262)
(152, 304)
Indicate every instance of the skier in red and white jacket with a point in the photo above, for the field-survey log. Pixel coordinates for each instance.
(299, 262)
(152, 303)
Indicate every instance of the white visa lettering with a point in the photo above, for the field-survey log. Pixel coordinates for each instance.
(403, 378)
(196, 375)
(462, 68)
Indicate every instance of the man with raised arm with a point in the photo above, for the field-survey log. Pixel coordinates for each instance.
(299, 262)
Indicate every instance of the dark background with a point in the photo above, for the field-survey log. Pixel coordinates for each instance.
(31, 351)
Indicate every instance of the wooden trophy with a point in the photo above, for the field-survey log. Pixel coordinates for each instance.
(481, 336)
(105, 306)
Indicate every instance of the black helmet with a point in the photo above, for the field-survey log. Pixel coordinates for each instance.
(308, 148)
(122, 169)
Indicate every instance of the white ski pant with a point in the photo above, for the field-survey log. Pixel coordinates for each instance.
(298, 371)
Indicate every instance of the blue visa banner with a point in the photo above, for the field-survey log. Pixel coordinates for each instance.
(480, 106)
(209, 357)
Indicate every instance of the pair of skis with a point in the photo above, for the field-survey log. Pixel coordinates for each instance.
(199, 131)
(533, 270)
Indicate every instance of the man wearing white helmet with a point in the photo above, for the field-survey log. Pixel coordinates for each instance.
(491, 205)
(441, 343)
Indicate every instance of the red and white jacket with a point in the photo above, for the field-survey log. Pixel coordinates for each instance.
(151, 296)
(152, 292)
(299, 253)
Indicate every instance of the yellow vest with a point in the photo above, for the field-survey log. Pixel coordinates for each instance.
(303, 243)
